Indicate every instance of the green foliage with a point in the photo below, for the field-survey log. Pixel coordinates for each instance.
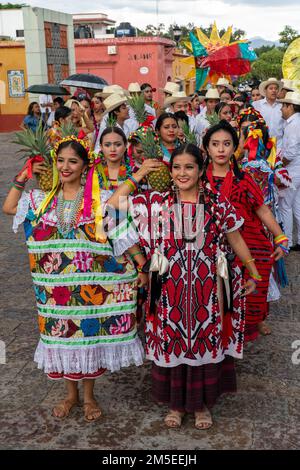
(261, 50)
(269, 64)
(137, 103)
(190, 136)
(287, 36)
(12, 6)
(150, 144)
(33, 143)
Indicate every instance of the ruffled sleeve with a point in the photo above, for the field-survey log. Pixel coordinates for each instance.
(119, 226)
(28, 201)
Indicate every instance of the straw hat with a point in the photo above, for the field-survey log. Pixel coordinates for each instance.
(170, 87)
(263, 86)
(112, 102)
(222, 82)
(177, 96)
(288, 84)
(292, 97)
(212, 94)
(134, 88)
(111, 89)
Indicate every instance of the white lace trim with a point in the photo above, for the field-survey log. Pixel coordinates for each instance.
(87, 360)
(120, 245)
(22, 211)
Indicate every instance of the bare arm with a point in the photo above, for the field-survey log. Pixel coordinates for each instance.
(240, 248)
(139, 259)
(11, 202)
(124, 190)
(270, 222)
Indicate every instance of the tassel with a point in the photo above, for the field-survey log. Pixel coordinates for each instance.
(280, 273)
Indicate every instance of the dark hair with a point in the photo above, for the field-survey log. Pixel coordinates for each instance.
(77, 147)
(221, 126)
(59, 100)
(84, 98)
(112, 114)
(229, 92)
(161, 119)
(182, 116)
(224, 126)
(30, 108)
(116, 130)
(241, 96)
(62, 112)
(145, 85)
(296, 108)
(191, 149)
(220, 106)
(201, 92)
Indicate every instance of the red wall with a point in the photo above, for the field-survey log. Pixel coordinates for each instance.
(125, 66)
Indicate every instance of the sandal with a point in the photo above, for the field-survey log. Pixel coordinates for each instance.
(92, 409)
(63, 408)
(264, 329)
(174, 419)
(203, 419)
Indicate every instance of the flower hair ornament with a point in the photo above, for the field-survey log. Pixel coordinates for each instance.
(248, 112)
(91, 198)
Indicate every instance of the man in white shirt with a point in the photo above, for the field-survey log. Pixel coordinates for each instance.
(289, 200)
(270, 108)
(212, 98)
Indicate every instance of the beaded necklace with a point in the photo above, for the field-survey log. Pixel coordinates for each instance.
(125, 171)
(66, 221)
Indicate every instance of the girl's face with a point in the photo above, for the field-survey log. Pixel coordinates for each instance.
(226, 113)
(76, 117)
(97, 105)
(220, 148)
(138, 153)
(255, 95)
(86, 106)
(195, 103)
(148, 94)
(168, 131)
(70, 166)
(225, 97)
(113, 147)
(185, 172)
(36, 109)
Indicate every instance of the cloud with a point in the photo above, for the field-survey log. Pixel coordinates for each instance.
(262, 3)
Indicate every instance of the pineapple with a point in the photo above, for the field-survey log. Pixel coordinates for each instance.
(190, 136)
(33, 144)
(213, 119)
(111, 121)
(137, 103)
(159, 180)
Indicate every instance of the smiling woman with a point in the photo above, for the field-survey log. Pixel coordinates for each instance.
(85, 284)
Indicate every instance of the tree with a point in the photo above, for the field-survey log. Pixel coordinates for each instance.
(261, 50)
(10, 6)
(269, 64)
(287, 36)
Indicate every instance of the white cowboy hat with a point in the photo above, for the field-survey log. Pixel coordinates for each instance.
(112, 89)
(288, 84)
(170, 87)
(112, 102)
(212, 94)
(134, 88)
(266, 83)
(177, 96)
(292, 97)
(223, 82)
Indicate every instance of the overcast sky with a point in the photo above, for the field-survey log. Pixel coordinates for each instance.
(264, 18)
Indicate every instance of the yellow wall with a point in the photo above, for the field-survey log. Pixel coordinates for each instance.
(180, 70)
(12, 57)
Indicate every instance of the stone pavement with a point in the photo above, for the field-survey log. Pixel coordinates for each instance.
(264, 414)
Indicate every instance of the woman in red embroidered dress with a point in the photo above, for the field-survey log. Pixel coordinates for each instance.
(245, 195)
(183, 230)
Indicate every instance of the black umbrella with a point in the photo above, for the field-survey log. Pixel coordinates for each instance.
(85, 80)
(48, 89)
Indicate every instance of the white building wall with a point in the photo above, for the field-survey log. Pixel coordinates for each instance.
(10, 22)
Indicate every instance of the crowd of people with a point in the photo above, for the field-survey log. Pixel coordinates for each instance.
(196, 264)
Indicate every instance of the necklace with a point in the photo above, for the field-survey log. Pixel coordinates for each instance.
(68, 212)
(190, 227)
